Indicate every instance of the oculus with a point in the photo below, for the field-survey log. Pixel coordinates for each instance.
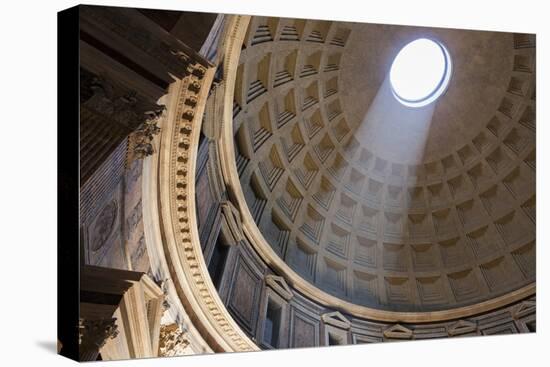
(420, 72)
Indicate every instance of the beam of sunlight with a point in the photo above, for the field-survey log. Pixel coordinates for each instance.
(394, 131)
(398, 134)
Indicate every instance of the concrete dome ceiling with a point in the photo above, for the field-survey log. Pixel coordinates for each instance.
(483, 64)
(375, 203)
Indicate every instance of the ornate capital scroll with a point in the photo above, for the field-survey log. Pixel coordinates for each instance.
(140, 141)
(93, 334)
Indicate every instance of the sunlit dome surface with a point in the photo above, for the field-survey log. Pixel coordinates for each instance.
(420, 72)
(375, 203)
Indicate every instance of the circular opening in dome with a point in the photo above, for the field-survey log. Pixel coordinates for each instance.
(420, 72)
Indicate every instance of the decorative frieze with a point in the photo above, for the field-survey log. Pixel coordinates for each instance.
(116, 103)
(103, 226)
(132, 27)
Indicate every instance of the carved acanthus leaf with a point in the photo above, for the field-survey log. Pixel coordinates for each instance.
(93, 334)
(140, 141)
(173, 341)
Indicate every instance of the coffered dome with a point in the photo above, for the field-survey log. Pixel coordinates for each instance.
(377, 203)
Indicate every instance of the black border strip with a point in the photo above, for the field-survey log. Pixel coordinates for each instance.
(68, 123)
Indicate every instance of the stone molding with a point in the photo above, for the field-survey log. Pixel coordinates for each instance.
(120, 313)
(336, 319)
(186, 102)
(279, 286)
(398, 331)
